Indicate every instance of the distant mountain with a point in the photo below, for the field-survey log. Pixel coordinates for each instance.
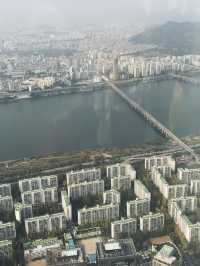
(176, 38)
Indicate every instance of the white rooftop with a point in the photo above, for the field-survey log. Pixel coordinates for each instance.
(112, 246)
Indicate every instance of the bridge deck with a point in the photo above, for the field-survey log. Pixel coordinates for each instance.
(151, 119)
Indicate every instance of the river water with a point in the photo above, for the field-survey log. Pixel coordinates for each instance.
(99, 119)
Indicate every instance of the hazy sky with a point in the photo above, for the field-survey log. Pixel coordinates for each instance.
(35, 12)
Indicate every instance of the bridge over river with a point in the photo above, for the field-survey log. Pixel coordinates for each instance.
(151, 119)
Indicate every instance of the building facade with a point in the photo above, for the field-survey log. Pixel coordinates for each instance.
(126, 227)
(138, 207)
(75, 177)
(111, 196)
(152, 222)
(141, 191)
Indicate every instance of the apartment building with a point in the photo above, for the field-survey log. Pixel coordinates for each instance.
(121, 183)
(178, 209)
(75, 177)
(5, 190)
(124, 226)
(46, 223)
(41, 196)
(66, 205)
(6, 248)
(7, 231)
(111, 196)
(152, 222)
(138, 207)
(84, 189)
(187, 175)
(195, 187)
(160, 161)
(167, 190)
(6, 203)
(23, 211)
(99, 213)
(37, 183)
(123, 169)
(141, 191)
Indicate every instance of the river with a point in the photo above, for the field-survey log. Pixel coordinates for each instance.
(99, 119)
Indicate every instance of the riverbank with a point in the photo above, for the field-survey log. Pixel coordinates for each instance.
(13, 170)
(15, 96)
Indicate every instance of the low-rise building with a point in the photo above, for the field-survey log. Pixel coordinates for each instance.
(124, 226)
(44, 196)
(111, 196)
(99, 213)
(120, 252)
(167, 256)
(23, 211)
(123, 169)
(141, 191)
(75, 177)
(7, 231)
(138, 207)
(121, 183)
(152, 222)
(157, 161)
(84, 189)
(46, 223)
(66, 205)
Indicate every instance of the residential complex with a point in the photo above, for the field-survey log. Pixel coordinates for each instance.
(152, 222)
(138, 207)
(37, 183)
(5, 190)
(66, 205)
(121, 183)
(169, 191)
(96, 214)
(123, 169)
(47, 223)
(111, 196)
(141, 191)
(6, 203)
(187, 175)
(123, 227)
(160, 161)
(23, 211)
(76, 177)
(7, 231)
(41, 196)
(84, 189)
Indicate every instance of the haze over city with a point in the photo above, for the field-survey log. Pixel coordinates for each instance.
(23, 13)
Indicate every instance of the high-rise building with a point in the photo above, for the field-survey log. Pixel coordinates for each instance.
(140, 190)
(7, 231)
(66, 205)
(121, 183)
(46, 223)
(186, 175)
(36, 183)
(126, 227)
(123, 169)
(41, 196)
(84, 189)
(138, 207)
(111, 197)
(160, 161)
(5, 190)
(75, 177)
(23, 211)
(152, 222)
(99, 213)
(6, 203)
